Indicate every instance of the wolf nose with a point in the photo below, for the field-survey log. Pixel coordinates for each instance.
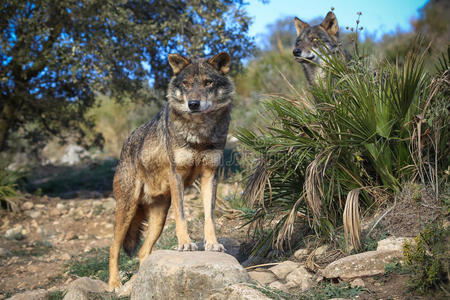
(194, 105)
(297, 52)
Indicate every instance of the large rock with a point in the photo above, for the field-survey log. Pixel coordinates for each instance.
(238, 291)
(169, 274)
(363, 264)
(39, 294)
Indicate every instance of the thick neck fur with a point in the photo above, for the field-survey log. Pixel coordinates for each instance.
(202, 131)
(312, 72)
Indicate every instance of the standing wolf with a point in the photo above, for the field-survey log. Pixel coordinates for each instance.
(312, 41)
(164, 156)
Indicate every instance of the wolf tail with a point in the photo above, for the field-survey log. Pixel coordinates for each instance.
(134, 233)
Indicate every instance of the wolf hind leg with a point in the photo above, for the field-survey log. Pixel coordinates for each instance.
(126, 206)
(157, 214)
(135, 230)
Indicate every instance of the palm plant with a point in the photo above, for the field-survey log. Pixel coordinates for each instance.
(361, 131)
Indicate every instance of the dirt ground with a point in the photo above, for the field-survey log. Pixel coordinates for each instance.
(49, 233)
(56, 232)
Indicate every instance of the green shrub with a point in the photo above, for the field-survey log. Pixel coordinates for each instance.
(427, 258)
(360, 132)
(8, 186)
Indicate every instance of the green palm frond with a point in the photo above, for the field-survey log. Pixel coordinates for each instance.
(354, 134)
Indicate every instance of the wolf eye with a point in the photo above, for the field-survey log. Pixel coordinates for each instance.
(186, 84)
(208, 83)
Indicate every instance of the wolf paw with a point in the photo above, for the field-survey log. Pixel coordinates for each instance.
(187, 247)
(114, 286)
(214, 247)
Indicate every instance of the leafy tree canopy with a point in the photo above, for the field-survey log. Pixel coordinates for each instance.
(56, 55)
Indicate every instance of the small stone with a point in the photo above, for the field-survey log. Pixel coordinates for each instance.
(321, 251)
(54, 212)
(358, 282)
(34, 214)
(66, 256)
(70, 236)
(40, 206)
(263, 278)
(15, 233)
(283, 269)
(27, 205)
(301, 253)
(446, 224)
(60, 206)
(301, 278)
(87, 249)
(393, 243)
(278, 285)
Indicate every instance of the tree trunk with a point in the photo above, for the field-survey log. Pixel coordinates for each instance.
(6, 118)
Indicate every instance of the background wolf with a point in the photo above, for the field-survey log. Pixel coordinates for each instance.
(162, 157)
(312, 41)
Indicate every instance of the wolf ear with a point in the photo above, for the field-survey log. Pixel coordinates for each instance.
(221, 62)
(330, 24)
(178, 62)
(299, 25)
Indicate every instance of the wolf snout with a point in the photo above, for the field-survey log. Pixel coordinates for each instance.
(297, 52)
(194, 105)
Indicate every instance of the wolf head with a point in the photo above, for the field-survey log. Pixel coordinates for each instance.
(312, 40)
(200, 86)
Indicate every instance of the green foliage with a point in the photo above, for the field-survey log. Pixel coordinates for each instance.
(95, 176)
(56, 56)
(115, 120)
(395, 268)
(427, 258)
(371, 244)
(329, 290)
(38, 248)
(8, 185)
(323, 291)
(358, 129)
(56, 295)
(95, 265)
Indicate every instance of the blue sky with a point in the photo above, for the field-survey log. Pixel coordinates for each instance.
(378, 16)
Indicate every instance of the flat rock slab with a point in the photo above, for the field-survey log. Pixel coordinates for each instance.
(368, 263)
(167, 274)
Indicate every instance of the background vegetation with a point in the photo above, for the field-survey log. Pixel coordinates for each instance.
(89, 72)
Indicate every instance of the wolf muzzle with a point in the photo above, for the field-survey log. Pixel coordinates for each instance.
(194, 105)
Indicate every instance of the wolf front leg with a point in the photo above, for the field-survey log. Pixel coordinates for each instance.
(209, 187)
(176, 193)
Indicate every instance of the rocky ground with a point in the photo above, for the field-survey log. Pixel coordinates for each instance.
(45, 246)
